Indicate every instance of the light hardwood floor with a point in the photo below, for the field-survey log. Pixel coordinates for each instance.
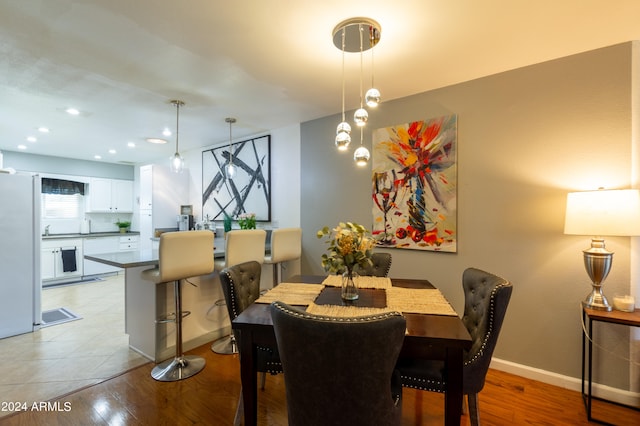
(210, 398)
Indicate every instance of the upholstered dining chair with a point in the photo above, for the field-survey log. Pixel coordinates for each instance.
(339, 371)
(286, 244)
(241, 245)
(241, 287)
(182, 255)
(486, 300)
(380, 265)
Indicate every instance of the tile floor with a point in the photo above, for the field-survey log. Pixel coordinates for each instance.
(61, 358)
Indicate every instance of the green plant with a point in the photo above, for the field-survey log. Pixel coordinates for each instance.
(247, 221)
(350, 244)
(123, 224)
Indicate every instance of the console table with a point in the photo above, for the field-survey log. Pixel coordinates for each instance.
(589, 316)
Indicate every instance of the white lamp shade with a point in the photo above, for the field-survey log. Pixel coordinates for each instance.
(603, 213)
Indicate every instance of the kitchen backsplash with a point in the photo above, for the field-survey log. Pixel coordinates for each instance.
(99, 222)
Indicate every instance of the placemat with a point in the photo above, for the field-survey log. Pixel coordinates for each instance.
(292, 293)
(419, 301)
(361, 282)
(345, 311)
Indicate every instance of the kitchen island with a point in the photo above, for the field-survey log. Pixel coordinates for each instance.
(146, 303)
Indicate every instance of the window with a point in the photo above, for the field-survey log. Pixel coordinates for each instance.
(62, 199)
(59, 206)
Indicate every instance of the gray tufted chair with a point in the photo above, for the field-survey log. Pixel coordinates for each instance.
(486, 300)
(380, 265)
(241, 287)
(339, 371)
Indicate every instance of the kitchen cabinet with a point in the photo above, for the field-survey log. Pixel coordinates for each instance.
(98, 245)
(111, 244)
(51, 264)
(110, 195)
(162, 192)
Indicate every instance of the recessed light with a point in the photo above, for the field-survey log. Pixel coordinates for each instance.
(112, 151)
(156, 140)
(22, 146)
(166, 132)
(72, 111)
(32, 139)
(98, 157)
(43, 129)
(131, 145)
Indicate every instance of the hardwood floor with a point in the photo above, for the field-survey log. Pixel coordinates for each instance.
(210, 398)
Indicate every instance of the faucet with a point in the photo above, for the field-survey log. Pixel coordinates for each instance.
(46, 230)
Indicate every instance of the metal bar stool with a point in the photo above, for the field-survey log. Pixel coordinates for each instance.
(183, 254)
(286, 244)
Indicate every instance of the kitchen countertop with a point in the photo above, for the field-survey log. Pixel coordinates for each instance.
(92, 234)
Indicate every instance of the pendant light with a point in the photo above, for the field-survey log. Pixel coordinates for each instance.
(348, 36)
(343, 132)
(372, 97)
(361, 155)
(230, 169)
(177, 162)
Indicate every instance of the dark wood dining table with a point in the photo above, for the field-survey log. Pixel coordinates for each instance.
(439, 337)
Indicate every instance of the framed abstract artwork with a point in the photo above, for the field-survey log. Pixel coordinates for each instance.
(250, 189)
(414, 185)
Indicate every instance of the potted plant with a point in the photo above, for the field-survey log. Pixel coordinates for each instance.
(123, 225)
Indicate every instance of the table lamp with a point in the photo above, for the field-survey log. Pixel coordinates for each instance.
(601, 213)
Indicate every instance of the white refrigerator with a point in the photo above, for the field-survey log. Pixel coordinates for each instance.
(20, 283)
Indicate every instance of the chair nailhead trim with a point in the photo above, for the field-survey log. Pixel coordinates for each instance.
(366, 318)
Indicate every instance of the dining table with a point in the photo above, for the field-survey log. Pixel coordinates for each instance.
(428, 336)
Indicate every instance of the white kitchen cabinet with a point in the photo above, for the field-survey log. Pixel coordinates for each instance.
(51, 265)
(128, 243)
(98, 245)
(162, 192)
(110, 195)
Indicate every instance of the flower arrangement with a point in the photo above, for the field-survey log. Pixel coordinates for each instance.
(350, 244)
(247, 221)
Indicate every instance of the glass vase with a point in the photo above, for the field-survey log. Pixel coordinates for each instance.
(349, 289)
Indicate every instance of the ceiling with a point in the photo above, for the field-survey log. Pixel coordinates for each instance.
(268, 63)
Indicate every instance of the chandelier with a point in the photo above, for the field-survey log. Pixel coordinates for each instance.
(357, 35)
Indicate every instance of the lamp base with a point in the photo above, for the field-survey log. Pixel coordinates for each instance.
(597, 301)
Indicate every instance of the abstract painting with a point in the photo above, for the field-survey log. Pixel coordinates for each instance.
(414, 185)
(249, 191)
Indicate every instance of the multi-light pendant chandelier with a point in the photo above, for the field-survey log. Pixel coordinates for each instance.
(177, 162)
(357, 35)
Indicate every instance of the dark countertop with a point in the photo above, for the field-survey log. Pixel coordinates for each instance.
(92, 235)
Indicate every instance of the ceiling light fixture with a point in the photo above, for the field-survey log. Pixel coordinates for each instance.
(156, 141)
(230, 169)
(72, 111)
(177, 163)
(348, 36)
(343, 132)
(361, 155)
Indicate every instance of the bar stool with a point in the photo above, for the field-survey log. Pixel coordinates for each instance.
(286, 244)
(183, 254)
(241, 245)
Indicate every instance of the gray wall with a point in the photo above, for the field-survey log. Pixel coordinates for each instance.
(66, 166)
(525, 138)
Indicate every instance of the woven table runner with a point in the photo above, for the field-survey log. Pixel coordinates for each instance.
(292, 293)
(345, 311)
(361, 282)
(419, 301)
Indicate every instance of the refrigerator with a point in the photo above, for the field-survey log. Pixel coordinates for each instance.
(20, 283)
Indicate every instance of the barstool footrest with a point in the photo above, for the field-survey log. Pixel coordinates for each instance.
(171, 317)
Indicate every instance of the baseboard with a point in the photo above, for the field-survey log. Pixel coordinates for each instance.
(601, 391)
